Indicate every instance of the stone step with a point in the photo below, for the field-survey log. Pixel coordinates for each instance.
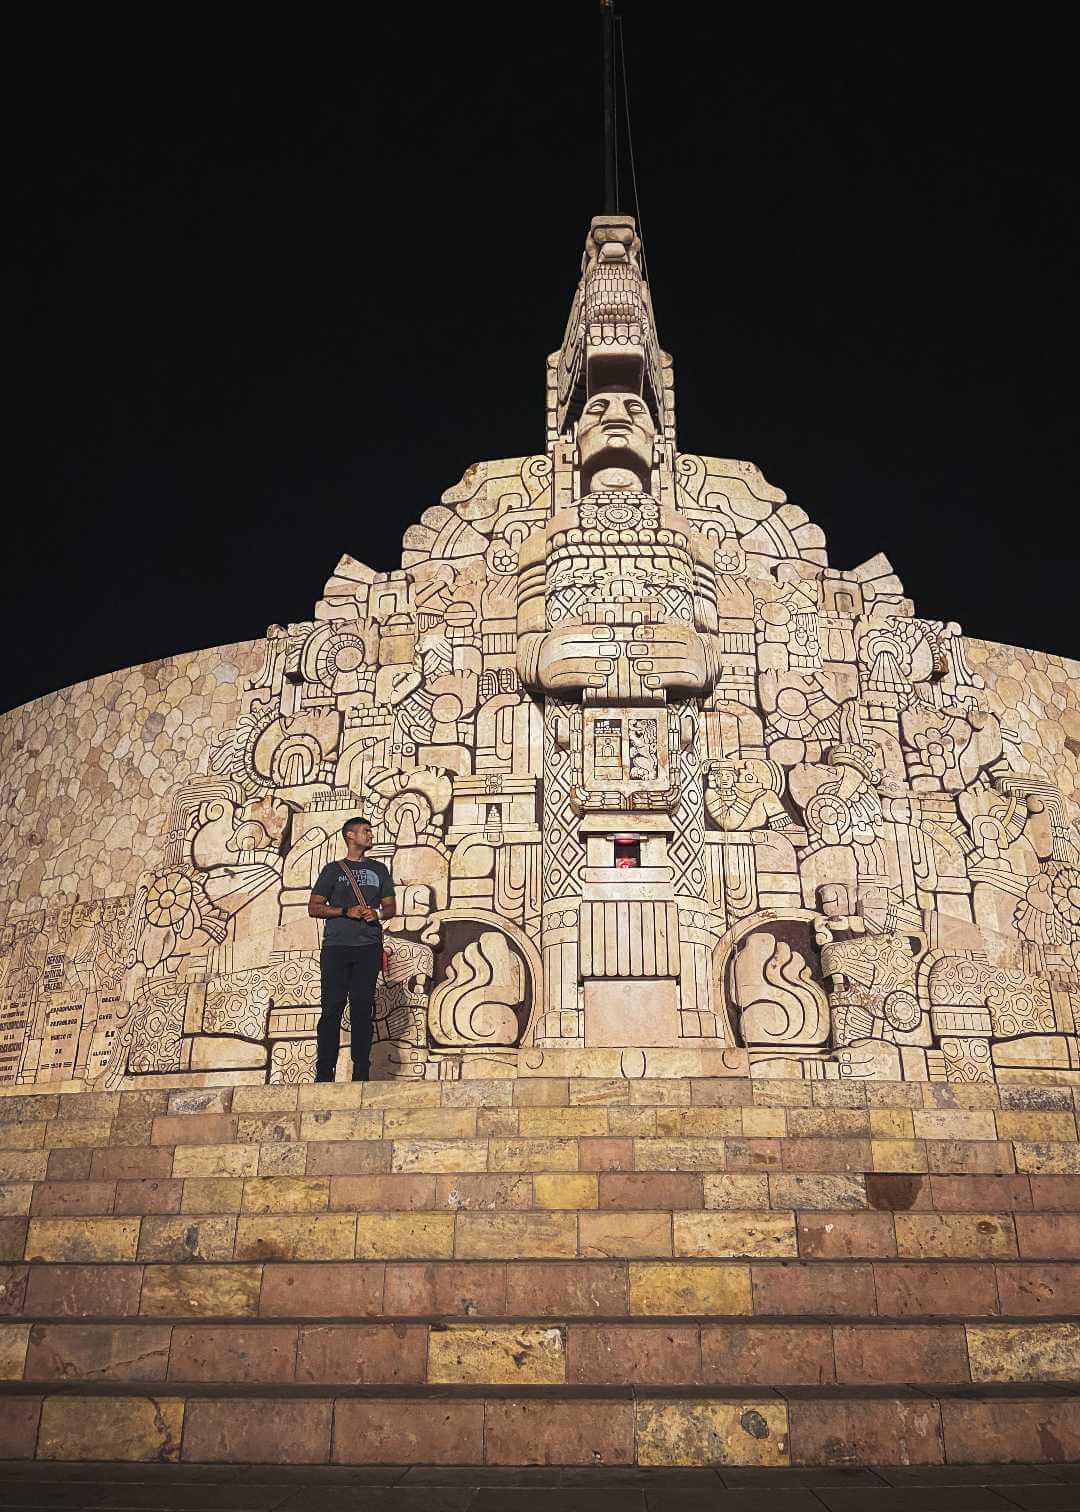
(548, 1425)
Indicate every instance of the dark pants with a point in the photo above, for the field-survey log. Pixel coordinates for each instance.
(348, 971)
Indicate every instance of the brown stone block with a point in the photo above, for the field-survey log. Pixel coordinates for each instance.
(32, 1109)
(363, 1355)
(19, 1427)
(22, 1136)
(394, 1193)
(111, 1428)
(1048, 1159)
(286, 1194)
(1041, 1429)
(839, 1094)
(429, 1123)
(338, 1124)
(13, 1279)
(762, 1354)
(131, 1163)
(688, 1289)
(405, 1236)
(15, 1198)
(793, 1190)
(258, 1431)
(930, 1355)
(959, 1157)
(680, 1155)
(516, 1236)
(778, 1093)
(1039, 1290)
(525, 1354)
(607, 1154)
(553, 1154)
(83, 1134)
(70, 1165)
(148, 1196)
(216, 1160)
(1056, 1192)
(203, 1291)
(319, 1236)
(1027, 1352)
(661, 1092)
(1048, 1236)
(437, 1155)
(84, 1291)
(13, 1345)
(532, 1432)
(186, 1237)
(211, 1194)
(913, 1290)
(669, 1189)
(268, 1128)
(1036, 1128)
(97, 1352)
(955, 1236)
(143, 1104)
(193, 1129)
(13, 1238)
(480, 1192)
(725, 1235)
(984, 1194)
(898, 1192)
(588, 1289)
(818, 1288)
(258, 1352)
(615, 1235)
(711, 1432)
(81, 1238)
(874, 1431)
(361, 1157)
(349, 1290)
(471, 1289)
(69, 1199)
(24, 1165)
(956, 1125)
(434, 1431)
(846, 1236)
(826, 1154)
(628, 1355)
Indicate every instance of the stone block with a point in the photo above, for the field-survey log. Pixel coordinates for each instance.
(928, 1355)
(590, 1288)
(268, 1129)
(1036, 1127)
(497, 1355)
(24, 1165)
(818, 1288)
(212, 1195)
(480, 1094)
(497, 1189)
(361, 1157)
(334, 1096)
(405, 1236)
(97, 1352)
(1048, 1290)
(987, 1194)
(1061, 1193)
(552, 1432)
(318, 1236)
(891, 1123)
(739, 1190)
(15, 1199)
(1048, 1159)
(951, 1123)
(622, 1235)
(595, 1092)
(712, 1432)
(963, 1095)
(283, 1158)
(19, 1427)
(13, 1238)
(377, 1193)
(259, 1431)
(445, 1288)
(83, 1134)
(728, 1235)
(430, 1123)
(875, 1431)
(607, 1154)
(430, 1155)
(543, 1122)
(762, 1354)
(148, 1197)
(550, 1154)
(347, 1290)
(70, 1199)
(1025, 1352)
(961, 1157)
(286, 1194)
(398, 1094)
(764, 1123)
(187, 1237)
(397, 1431)
(635, 1122)
(1048, 1236)
(131, 1163)
(341, 1123)
(201, 1291)
(910, 1290)
(191, 1129)
(898, 1192)
(83, 1291)
(680, 1155)
(70, 1165)
(35, 1108)
(703, 1123)
(845, 1236)
(794, 1190)
(825, 1155)
(144, 1428)
(641, 1190)
(726, 1092)
(827, 1123)
(216, 1160)
(688, 1289)
(235, 1354)
(906, 1155)
(955, 1236)
(13, 1281)
(264, 1099)
(566, 1190)
(516, 1236)
(633, 1355)
(22, 1136)
(82, 1238)
(13, 1343)
(989, 1431)
(200, 1100)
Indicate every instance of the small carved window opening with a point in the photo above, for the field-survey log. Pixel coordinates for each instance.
(627, 851)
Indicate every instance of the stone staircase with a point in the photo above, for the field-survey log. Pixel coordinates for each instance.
(542, 1270)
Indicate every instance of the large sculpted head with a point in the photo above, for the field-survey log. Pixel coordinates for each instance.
(615, 441)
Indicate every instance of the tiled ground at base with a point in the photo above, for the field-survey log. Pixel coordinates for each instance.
(106, 1487)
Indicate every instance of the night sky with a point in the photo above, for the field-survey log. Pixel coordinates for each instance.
(274, 292)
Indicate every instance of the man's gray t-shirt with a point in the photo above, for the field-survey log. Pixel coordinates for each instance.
(332, 883)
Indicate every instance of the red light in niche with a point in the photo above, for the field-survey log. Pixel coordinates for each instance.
(627, 850)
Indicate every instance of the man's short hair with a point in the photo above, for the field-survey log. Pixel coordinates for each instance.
(351, 824)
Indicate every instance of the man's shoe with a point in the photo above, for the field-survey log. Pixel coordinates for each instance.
(361, 1076)
(324, 1078)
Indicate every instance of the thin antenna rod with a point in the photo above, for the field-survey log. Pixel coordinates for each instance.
(607, 13)
(630, 148)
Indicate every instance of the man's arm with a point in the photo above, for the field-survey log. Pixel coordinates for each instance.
(388, 906)
(319, 908)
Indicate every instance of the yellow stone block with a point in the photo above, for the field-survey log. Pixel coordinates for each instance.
(212, 1194)
(286, 1194)
(320, 1236)
(405, 1236)
(429, 1123)
(545, 1092)
(15, 1198)
(719, 1235)
(636, 1122)
(534, 1154)
(264, 1099)
(1024, 1352)
(955, 1236)
(62, 1134)
(13, 1338)
(696, 1123)
(764, 1123)
(663, 1289)
(954, 1123)
(680, 1155)
(706, 1432)
(342, 1123)
(738, 1190)
(526, 1355)
(216, 1160)
(402, 1095)
(82, 1239)
(1041, 1127)
(898, 1155)
(501, 1122)
(201, 1291)
(827, 1123)
(187, 1237)
(566, 1190)
(1048, 1159)
(618, 1236)
(313, 1096)
(562, 1121)
(891, 1123)
(516, 1236)
(439, 1155)
(111, 1428)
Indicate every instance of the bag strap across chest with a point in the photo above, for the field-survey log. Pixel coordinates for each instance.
(363, 902)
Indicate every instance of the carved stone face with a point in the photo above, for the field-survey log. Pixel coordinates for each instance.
(615, 432)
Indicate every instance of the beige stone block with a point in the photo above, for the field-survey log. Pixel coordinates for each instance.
(534, 1154)
(596, 1093)
(516, 1236)
(680, 1155)
(319, 1236)
(405, 1236)
(573, 1122)
(737, 1191)
(265, 1099)
(1027, 1352)
(501, 1122)
(429, 1123)
(15, 1198)
(632, 1121)
(282, 1158)
(546, 1092)
(77, 1134)
(212, 1194)
(953, 1123)
(329, 1096)
(891, 1123)
(524, 1355)
(1048, 1159)
(564, 1189)
(22, 1136)
(286, 1194)
(719, 1235)
(907, 1155)
(341, 1123)
(827, 1123)
(682, 1288)
(1037, 1127)
(699, 1123)
(82, 1239)
(478, 1094)
(13, 1341)
(612, 1235)
(797, 1190)
(439, 1155)
(23, 1165)
(183, 1237)
(402, 1094)
(111, 1428)
(216, 1160)
(268, 1128)
(703, 1432)
(764, 1123)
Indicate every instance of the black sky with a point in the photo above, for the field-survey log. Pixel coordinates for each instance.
(272, 293)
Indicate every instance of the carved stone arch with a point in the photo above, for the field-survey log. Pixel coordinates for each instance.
(790, 1013)
(462, 926)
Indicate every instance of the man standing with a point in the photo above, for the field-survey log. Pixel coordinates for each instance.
(353, 896)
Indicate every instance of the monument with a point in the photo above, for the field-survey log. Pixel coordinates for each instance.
(665, 794)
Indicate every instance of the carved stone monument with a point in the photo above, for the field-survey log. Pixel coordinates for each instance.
(662, 791)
